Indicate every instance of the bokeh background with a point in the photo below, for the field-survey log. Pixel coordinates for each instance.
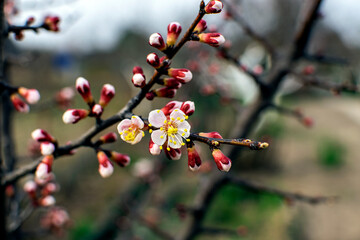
(103, 40)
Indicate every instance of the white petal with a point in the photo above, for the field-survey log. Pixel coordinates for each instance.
(124, 124)
(158, 137)
(177, 113)
(137, 121)
(106, 172)
(137, 138)
(175, 141)
(184, 129)
(157, 118)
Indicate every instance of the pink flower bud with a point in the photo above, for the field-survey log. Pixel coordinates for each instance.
(211, 135)
(188, 108)
(83, 87)
(32, 96)
(64, 97)
(106, 168)
(30, 21)
(173, 154)
(154, 149)
(194, 160)
(108, 138)
(138, 80)
(171, 83)
(137, 69)
(30, 186)
(223, 163)
(47, 201)
(44, 168)
(213, 39)
(174, 30)
(74, 115)
(201, 26)
(121, 159)
(214, 6)
(49, 188)
(107, 93)
(157, 41)
(153, 60)
(165, 92)
(308, 122)
(47, 148)
(181, 74)
(19, 104)
(51, 23)
(97, 110)
(41, 135)
(171, 106)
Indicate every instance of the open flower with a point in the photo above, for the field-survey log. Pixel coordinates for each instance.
(172, 129)
(130, 130)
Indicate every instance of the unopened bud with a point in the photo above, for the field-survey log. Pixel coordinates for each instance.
(138, 80)
(181, 74)
(153, 60)
(171, 83)
(106, 168)
(174, 30)
(194, 160)
(19, 104)
(171, 106)
(137, 69)
(108, 138)
(107, 93)
(157, 41)
(47, 148)
(165, 92)
(154, 149)
(223, 163)
(211, 135)
(44, 167)
(201, 26)
(173, 154)
(41, 135)
(32, 96)
(213, 39)
(97, 110)
(51, 23)
(74, 115)
(214, 6)
(83, 87)
(121, 159)
(188, 108)
(47, 201)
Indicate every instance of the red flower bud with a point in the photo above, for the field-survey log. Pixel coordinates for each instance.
(165, 92)
(171, 106)
(171, 83)
(97, 110)
(173, 154)
(188, 108)
(30, 21)
(19, 104)
(105, 166)
(32, 96)
(223, 163)
(44, 167)
(157, 41)
(150, 95)
(174, 30)
(153, 60)
(121, 159)
(154, 149)
(107, 93)
(138, 80)
(83, 87)
(74, 115)
(51, 23)
(137, 69)
(211, 135)
(213, 39)
(214, 6)
(194, 160)
(108, 138)
(41, 135)
(47, 148)
(201, 26)
(181, 74)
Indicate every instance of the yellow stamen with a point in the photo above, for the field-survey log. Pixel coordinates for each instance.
(161, 147)
(178, 118)
(182, 144)
(188, 140)
(150, 130)
(161, 137)
(181, 120)
(143, 134)
(168, 149)
(158, 111)
(186, 117)
(150, 125)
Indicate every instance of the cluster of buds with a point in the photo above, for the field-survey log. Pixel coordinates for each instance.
(213, 39)
(173, 32)
(223, 163)
(50, 23)
(106, 168)
(95, 109)
(24, 96)
(55, 220)
(47, 142)
(41, 191)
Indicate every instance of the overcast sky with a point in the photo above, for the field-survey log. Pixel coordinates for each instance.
(94, 24)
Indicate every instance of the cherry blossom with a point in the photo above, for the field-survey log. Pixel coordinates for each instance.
(130, 130)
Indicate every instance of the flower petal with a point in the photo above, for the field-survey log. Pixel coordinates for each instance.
(123, 125)
(158, 137)
(157, 118)
(184, 129)
(137, 138)
(175, 141)
(137, 121)
(177, 115)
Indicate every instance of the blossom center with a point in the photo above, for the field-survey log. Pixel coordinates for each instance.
(172, 130)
